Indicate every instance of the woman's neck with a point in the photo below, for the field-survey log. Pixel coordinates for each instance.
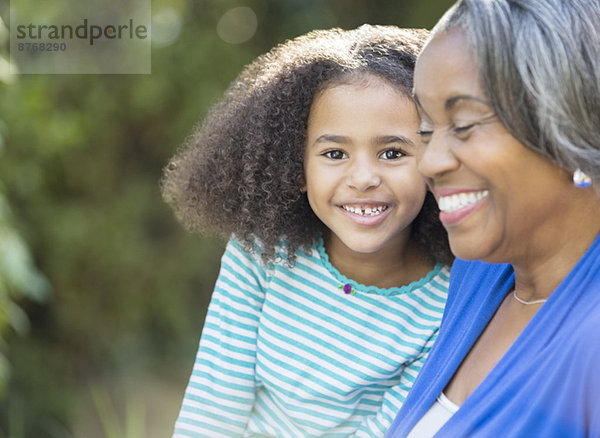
(555, 248)
(391, 266)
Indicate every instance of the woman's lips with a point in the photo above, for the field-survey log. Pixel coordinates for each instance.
(457, 205)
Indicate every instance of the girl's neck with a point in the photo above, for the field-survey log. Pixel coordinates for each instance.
(391, 266)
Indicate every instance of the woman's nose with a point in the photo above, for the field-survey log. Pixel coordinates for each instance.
(436, 157)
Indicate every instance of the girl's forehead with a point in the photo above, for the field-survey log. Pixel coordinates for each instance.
(362, 79)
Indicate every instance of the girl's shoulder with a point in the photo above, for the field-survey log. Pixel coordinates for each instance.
(253, 248)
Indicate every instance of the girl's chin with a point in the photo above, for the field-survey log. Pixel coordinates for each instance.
(362, 246)
(362, 249)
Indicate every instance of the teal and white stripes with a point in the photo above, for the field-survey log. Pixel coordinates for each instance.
(285, 353)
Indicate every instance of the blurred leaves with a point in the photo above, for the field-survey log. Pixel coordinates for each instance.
(134, 425)
(18, 278)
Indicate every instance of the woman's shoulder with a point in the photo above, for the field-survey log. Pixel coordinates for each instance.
(477, 269)
(476, 280)
(585, 321)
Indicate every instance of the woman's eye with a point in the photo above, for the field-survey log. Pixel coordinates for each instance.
(425, 135)
(462, 130)
(392, 154)
(335, 154)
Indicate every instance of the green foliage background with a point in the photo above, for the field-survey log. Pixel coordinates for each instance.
(102, 293)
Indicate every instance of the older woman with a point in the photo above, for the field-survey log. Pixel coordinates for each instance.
(509, 97)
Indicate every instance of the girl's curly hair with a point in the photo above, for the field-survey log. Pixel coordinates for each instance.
(242, 169)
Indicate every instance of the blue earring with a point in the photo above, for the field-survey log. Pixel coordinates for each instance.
(580, 179)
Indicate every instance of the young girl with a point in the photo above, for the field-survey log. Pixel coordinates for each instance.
(333, 285)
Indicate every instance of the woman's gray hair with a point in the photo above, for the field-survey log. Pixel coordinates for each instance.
(539, 64)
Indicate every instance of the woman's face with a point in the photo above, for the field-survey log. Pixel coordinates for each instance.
(495, 195)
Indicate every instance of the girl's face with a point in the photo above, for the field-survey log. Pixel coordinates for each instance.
(495, 195)
(360, 168)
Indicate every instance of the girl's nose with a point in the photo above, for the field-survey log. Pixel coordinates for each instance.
(363, 175)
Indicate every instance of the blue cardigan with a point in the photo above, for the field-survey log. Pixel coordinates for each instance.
(548, 382)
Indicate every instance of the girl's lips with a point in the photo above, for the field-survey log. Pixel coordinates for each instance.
(366, 214)
(365, 209)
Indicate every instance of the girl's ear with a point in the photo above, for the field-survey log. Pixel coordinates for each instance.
(302, 184)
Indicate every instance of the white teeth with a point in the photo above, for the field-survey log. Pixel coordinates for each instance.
(366, 211)
(460, 200)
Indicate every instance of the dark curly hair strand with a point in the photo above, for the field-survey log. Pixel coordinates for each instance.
(241, 171)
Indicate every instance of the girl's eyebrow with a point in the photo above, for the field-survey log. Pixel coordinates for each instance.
(380, 140)
(387, 139)
(329, 138)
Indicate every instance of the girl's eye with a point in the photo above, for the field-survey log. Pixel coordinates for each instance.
(335, 154)
(392, 154)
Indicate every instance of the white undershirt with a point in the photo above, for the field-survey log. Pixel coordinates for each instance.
(433, 420)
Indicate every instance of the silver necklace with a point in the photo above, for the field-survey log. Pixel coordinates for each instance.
(527, 302)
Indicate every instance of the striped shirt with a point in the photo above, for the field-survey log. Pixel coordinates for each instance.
(285, 352)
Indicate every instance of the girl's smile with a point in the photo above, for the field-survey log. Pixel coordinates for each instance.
(367, 213)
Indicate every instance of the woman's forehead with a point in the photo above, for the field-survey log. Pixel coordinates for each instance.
(446, 70)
